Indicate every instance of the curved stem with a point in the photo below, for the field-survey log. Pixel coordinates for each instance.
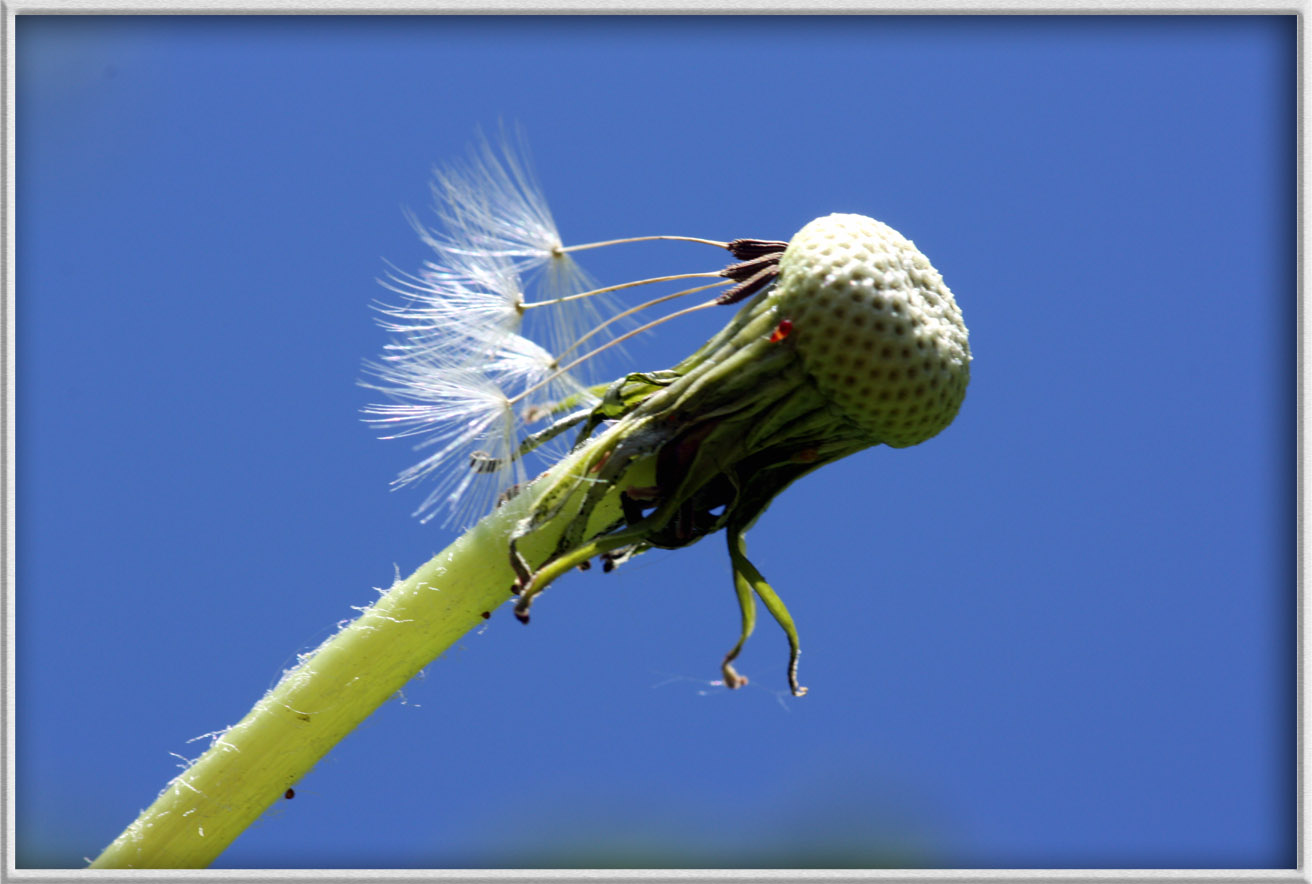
(247, 768)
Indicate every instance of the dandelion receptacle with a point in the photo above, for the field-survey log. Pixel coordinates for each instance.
(838, 339)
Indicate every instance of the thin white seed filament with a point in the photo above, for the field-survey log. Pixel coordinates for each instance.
(652, 303)
(621, 286)
(611, 343)
(561, 250)
(615, 242)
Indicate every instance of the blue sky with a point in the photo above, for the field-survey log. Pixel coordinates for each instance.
(1060, 634)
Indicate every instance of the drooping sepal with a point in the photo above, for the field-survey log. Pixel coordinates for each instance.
(746, 575)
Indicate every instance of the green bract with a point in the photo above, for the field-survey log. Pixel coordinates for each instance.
(857, 343)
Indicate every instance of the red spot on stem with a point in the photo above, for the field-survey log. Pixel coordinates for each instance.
(781, 331)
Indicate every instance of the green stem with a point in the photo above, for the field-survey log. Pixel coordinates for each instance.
(322, 700)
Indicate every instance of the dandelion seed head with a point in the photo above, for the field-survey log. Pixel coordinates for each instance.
(461, 419)
(491, 204)
(446, 311)
(531, 375)
(486, 336)
(497, 235)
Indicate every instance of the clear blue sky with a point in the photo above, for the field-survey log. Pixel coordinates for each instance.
(1059, 634)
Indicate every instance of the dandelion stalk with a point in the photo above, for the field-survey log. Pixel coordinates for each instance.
(316, 704)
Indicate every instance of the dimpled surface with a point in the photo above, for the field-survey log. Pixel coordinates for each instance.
(875, 327)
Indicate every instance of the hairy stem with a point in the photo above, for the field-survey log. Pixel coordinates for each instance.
(322, 700)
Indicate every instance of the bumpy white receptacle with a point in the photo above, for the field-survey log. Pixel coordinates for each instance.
(875, 327)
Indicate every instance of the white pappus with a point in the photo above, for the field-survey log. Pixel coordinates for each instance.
(488, 335)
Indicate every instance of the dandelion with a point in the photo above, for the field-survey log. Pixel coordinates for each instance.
(845, 337)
